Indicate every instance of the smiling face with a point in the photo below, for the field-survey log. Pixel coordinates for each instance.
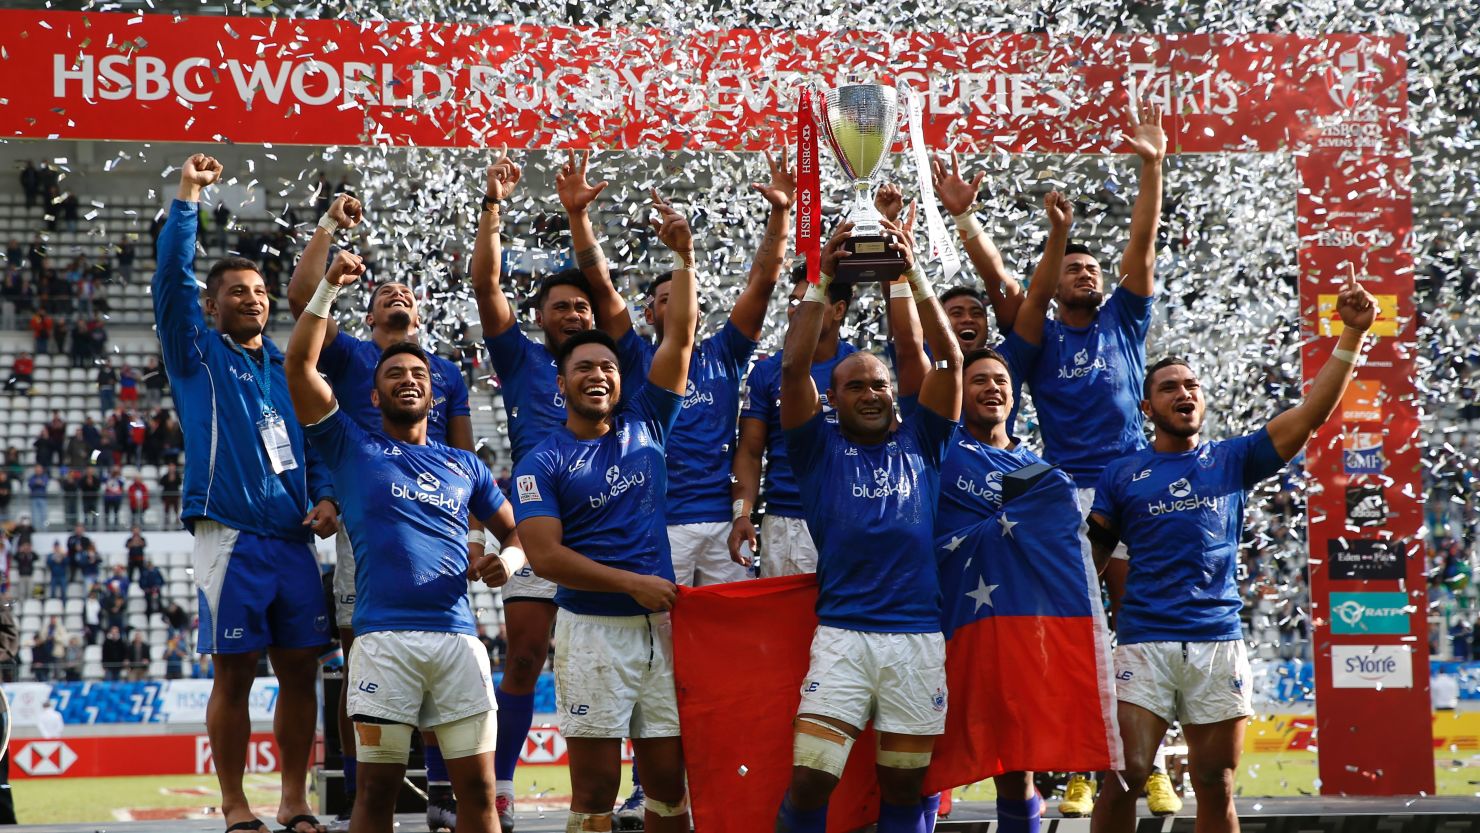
(968, 320)
(987, 394)
(863, 396)
(403, 389)
(393, 307)
(565, 312)
(1174, 402)
(591, 381)
(1080, 282)
(240, 304)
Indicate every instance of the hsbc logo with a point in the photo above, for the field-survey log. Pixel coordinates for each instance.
(543, 746)
(1349, 80)
(45, 757)
(1355, 238)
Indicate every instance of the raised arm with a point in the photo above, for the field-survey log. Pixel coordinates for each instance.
(670, 367)
(344, 213)
(911, 364)
(544, 542)
(941, 389)
(313, 399)
(1149, 141)
(749, 312)
(799, 399)
(1291, 430)
(958, 197)
(176, 295)
(494, 310)
(745, 485)
(576, 196)
(1060, 211)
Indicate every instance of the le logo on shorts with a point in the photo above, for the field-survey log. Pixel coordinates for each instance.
(528, 489)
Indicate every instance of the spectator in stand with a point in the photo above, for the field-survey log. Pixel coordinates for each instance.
(92, 615)
(71, 669)
(138, 501)
(56, 431)
(128, 388)
(7, 491)
(22, 532)
(170, 438)
(59, 565)
(222, 216)
(77, 544)
(138, 658)
(81, 345)
(51, 207)
(175, 657)
(36, 484)
(90, 487)
(151, 581)
(107, 387)
(114, 488)
(69, 207)
(120, 428)
(41, 327)
(13, 462)
(25, 571)
(176, 619)
(118, 582)
(115, 611)
(92, 566)
(7, 553)
(42, 658)
(115, 654)
(136, 545)
(76, 454)
(22, 371)
(71, 495)
(91, 435)
(46, 456)
(169, 494)
(31, 183)
(154, 383)
(97, 334)
(125, 254)
(15, 255)
(55, 630)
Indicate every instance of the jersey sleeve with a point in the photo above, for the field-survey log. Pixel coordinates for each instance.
(486, 497)
(457, 392)
(1020, 355)
(933, 432)
(178, 319)
(1260, 460)
(732, 348)
(658, 407)
(635, 355)
(1131, 312)
(534, 485)
(335, 438)
(759, 401)
(806, 443)
(1106, 502)
(507, 353)
(335, 356)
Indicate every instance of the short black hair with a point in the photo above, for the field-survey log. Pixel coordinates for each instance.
(584, 337)
(652, 288)
(397, 349)
(1169, 361)
(959, 291)
(233, 263)
(980, 353)
(1077, 249)
(836, 291)
(568, 277)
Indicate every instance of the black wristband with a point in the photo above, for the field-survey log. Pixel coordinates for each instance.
(489, 202)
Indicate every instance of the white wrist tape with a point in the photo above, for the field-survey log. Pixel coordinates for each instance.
(968, 225)
(1348, 356)
(513, 559)
(818, 291)
(737, 510)
(901, 290)
(920, 285)
(328, 224)
(477, 536)
(322, 302)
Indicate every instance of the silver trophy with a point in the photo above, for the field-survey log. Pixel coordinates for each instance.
(859, 121)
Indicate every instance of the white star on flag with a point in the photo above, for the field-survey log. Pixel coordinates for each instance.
(956, 541)
(982, 594)
(1007, 526)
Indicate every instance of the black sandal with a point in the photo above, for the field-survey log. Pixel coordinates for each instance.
(249, 824)
(292, 825)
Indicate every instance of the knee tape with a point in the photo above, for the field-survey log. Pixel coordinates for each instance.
(472, 735)
(895, 759)
(820, 746)
(588, 822)
(382, 743)
(663, 809)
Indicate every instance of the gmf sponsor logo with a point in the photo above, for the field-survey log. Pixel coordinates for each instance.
(1361, 452)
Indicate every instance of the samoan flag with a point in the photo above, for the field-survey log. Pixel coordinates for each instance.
(1027, 661)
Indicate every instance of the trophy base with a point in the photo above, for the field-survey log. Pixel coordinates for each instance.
(870, 259)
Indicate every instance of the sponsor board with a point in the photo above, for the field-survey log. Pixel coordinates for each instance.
(1366, 505)
(1362, 401)
(1359, 559)
(1371, 666)
(1361, 453)
(114, 755)
(1386, 323)
(1368, 613)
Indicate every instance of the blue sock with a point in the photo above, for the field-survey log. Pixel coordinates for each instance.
(790, 820)
(894, 818)
(931, 810)
(1019, 816)
(350, 765)
(515, 713)
(636, 783)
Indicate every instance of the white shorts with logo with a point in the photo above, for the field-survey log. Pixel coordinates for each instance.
(344, 580)
(1192, 682)
(1086, 501)
(524, 585)
(614, 676)
(701, 554)
(421, 678)
(896, 679)
(787, 548)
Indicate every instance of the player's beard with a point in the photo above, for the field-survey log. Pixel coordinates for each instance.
(1089, 301)
(585, 410)
(1165, 426)
(400, 415)
(398, 319)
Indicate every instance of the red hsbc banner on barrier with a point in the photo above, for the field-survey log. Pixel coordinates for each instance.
(88, 757)
(331, 82)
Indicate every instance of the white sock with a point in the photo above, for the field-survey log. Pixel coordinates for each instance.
(503, 788)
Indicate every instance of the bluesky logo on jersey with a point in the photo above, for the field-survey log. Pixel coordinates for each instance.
(1361, 453)
(884, 486)
(1366, 505)
(1082, 366)
(617, 483)
(427, 491)
(1366, 613)
(991, 492)
(1185, 500)
(694, 397)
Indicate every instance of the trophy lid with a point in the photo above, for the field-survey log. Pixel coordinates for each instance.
(860, 121)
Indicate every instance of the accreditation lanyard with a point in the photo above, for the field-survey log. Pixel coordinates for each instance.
(271, 429)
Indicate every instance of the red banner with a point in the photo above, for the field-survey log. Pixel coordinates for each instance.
(107, 755)
(809, 187)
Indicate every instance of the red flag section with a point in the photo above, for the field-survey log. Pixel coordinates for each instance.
(809, 188)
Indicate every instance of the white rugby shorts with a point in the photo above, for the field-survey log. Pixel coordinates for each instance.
(421, 678)
(701, 554)
(896, 679)
(524, 585)
(1086, 501)
(787, 548)
(1193, 682)
(614, 676)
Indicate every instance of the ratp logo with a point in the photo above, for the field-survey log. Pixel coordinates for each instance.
(427, 483)
(1180, 488)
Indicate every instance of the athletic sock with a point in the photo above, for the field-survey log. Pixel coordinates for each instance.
(791, 820)
(439, 783)
(636, 782)
(515, 713)
(1019, 816)
(896, 818)
(931, 811)
(350, 767)
(503, 788)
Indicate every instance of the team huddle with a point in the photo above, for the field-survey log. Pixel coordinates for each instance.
(639, 466)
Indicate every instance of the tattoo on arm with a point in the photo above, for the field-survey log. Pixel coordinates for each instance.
(588, 257)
